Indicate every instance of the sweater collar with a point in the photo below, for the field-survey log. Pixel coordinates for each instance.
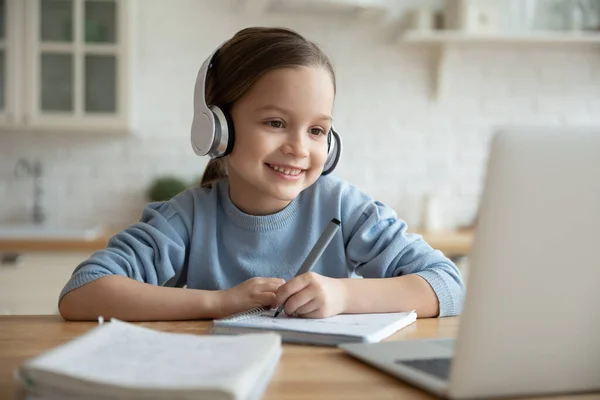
(257, 223)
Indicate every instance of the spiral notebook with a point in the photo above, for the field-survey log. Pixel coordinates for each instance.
(344, 328)
(123, 360)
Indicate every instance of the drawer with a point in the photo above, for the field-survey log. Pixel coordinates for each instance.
(32, 284)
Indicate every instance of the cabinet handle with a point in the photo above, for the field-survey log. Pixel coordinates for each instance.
(10, 260)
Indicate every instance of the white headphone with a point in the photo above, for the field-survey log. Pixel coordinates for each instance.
(213, 132)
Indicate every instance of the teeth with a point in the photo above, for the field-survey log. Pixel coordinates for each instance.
(286, 171)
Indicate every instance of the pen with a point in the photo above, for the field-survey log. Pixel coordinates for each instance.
(318, 249)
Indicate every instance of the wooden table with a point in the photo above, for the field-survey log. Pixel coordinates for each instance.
(304, 372)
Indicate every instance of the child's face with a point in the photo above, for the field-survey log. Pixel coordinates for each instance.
(280, 148)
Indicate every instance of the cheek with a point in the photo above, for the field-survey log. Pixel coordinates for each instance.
(249, 148)
(321, 153)
(242, 160)
(243, 144)
(239, 159)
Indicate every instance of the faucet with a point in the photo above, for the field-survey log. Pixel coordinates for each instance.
(35, 170)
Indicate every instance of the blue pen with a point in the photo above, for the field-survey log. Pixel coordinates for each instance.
(315, 253)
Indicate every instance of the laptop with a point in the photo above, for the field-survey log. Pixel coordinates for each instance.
(531, 318)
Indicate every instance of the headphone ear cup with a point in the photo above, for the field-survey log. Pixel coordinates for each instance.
(334, 151)
(225, 137)
(231, 130)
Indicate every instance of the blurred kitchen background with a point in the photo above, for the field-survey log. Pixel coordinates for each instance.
(96, 106)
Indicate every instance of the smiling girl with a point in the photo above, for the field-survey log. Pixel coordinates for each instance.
(237, 241)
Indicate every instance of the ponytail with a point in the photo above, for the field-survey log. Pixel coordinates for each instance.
(214, 172)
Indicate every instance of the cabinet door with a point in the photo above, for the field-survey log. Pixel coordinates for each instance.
(9, 52)
(78, 53)
(33, 283)
(3, 56)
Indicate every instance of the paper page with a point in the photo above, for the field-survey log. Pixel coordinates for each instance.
(360, 325)
(133, 356)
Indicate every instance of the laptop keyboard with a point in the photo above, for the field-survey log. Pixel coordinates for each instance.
(438, 367)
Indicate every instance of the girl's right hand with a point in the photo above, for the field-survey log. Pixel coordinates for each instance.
(254, 292)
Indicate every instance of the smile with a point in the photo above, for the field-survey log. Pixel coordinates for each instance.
(285, 170)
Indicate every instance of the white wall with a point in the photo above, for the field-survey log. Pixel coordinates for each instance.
(399, 143)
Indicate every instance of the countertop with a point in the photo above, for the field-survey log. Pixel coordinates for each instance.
(451, 243)
(64, 245)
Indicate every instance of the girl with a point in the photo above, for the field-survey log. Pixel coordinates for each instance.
(237, 241)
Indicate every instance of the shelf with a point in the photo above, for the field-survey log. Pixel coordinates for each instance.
(449, 37)
(444, 41)
(348, 8)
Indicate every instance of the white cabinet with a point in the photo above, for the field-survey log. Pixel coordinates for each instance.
(33, 283)
(9, 46)
(64, 65)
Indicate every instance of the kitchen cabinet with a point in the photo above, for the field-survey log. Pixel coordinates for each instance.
(8, 50)
(32, 284)
(64, 65)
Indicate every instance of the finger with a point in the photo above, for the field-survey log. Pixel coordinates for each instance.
(271, 286)
(257, 280)
(260, 280)
(279, 281)
(298, 300)
(264, 299)
(309, 307)
(291, 287)
(318, 313)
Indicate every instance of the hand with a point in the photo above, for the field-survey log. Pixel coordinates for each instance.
(254, 292)
(312, 295)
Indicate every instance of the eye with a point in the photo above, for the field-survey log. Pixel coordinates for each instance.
(317, 131)
(277, 124)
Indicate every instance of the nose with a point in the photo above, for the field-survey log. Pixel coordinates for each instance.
(296, 144)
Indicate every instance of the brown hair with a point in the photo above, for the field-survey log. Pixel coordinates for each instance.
(243, 59)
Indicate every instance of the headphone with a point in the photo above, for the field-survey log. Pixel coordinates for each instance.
(213, 133)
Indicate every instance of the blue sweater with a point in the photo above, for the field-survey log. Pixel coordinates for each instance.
(202, 240)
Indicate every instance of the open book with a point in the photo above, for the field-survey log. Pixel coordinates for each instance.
(123, 360)
(345, 328)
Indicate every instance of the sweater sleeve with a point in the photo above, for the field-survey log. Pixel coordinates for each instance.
(153, 250)
(378, 245)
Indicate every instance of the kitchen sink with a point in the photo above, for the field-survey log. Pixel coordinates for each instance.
(48, 232)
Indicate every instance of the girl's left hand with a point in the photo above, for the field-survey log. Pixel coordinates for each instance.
(311, 295)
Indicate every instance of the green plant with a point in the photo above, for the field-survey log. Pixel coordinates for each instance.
(165, 187)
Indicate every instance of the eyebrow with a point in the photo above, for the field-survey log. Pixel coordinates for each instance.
(286, 111)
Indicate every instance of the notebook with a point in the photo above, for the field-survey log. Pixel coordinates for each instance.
(123, 360)
(344, 328)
